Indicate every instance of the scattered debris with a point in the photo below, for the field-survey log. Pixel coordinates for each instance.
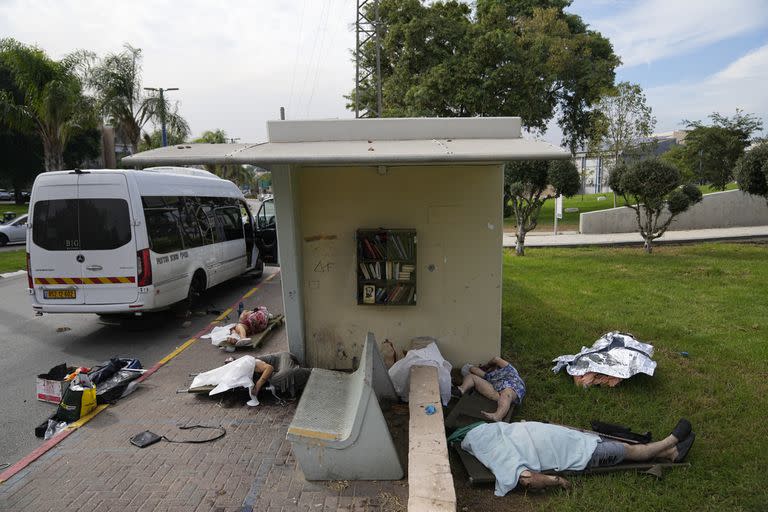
(390, 502)
(338, 485)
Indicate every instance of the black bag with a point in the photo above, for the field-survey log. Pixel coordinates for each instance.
(144, 439)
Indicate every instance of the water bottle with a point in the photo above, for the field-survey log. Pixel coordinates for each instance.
(239, 309)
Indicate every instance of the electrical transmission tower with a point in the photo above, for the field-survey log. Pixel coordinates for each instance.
(367, 30)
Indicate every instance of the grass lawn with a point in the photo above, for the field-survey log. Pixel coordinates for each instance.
(585, 203)
(10, 261)
(708, 300)
(20, 209)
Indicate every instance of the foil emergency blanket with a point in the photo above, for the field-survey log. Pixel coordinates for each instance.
(616, 354)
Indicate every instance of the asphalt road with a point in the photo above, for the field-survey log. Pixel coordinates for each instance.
(30, 345)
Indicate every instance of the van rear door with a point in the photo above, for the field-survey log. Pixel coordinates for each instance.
(107, 239)
(55, 269)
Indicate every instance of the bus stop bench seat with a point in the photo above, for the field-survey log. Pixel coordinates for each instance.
(338, 431)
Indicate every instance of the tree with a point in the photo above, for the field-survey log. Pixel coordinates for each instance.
(529, 184)
(116, 80)
(51, 101)
(242, 175)
(676, 156)
(752, 171)
(622, 120)
(712, 150)
(524, 58)
(653, 189)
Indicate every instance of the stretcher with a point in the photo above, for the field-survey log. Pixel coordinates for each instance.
(259, 337)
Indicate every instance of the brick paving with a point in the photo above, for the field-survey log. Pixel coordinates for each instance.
(250, 469)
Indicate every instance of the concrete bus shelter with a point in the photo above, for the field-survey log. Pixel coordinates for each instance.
(441, 177)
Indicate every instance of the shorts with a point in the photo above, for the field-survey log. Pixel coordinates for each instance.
(507, 377)
(607, 453)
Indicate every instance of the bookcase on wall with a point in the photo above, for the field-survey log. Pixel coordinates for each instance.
(386, 267)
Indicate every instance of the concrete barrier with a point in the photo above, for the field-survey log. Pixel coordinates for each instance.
(732, 208)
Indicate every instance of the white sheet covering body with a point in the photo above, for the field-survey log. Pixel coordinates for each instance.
(237, 374)
(400, 373)
(508, 449)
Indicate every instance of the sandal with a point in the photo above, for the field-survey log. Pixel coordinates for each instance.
(684, 446)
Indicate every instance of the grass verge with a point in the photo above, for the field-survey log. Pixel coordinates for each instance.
(11, 261)
(707, 300)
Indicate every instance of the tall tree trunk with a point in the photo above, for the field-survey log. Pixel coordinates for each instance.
(520, 245)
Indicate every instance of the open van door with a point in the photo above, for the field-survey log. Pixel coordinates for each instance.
(266, 232)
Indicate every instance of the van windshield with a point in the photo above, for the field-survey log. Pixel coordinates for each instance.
(81, 224)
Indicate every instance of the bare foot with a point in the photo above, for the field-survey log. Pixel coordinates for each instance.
(490, 416)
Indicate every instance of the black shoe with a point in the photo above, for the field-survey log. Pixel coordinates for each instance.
(684, 447)
(456, 392)
(682, 430)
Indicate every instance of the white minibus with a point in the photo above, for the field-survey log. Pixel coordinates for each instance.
(128, 241)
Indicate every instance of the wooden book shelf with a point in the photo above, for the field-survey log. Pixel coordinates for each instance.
(386, 267)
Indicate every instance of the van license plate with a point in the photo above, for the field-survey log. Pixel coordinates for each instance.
(59, 294)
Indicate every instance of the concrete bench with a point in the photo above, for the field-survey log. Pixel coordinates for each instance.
(430, 484)
(338, 431)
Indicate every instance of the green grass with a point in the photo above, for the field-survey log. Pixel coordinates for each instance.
(708, 300)
(585, 203)
(11, 261)
(19, 209)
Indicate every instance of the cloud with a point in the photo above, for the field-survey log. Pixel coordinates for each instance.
(236, 63)
(651, 30)
(738, 85)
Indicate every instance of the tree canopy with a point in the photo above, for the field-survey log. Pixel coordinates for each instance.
(752, 171)
(653, 189)
(46, 98)
(526, 58)
(117, 82)
(712, 150)
(529, 184)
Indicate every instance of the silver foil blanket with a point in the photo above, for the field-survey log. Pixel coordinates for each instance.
(616, 354)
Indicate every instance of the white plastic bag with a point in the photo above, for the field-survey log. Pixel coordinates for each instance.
(400, 373)
(237, 374)
(219, 334)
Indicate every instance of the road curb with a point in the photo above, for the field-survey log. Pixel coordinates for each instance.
(13, 274)
(49, 444)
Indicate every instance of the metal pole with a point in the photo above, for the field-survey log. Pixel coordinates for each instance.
(378, 62)
(357, 63)
(162, 118)
(282, 113)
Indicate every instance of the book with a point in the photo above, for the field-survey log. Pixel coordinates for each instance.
(369, 294)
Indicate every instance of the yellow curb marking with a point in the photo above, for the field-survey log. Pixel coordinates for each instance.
(88, 417)
(250, 293)
(224, 315)
(176, 352)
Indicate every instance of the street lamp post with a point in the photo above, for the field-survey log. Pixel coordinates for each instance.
(162, 109)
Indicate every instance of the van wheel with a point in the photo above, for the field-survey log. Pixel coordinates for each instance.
(196, 290)
(3, 240)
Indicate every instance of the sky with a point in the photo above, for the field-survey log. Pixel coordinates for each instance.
(237, 63)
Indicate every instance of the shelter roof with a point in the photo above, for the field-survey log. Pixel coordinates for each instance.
(389, 141)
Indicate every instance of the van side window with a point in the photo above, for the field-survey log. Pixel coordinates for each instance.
(163, 226)
(231, 223)
(193, 236)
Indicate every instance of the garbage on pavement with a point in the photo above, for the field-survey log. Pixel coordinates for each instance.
(400, 372)
(50, 386)
(612, 358)
(79, 399)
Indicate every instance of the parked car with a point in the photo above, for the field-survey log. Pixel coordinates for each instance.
(14, 231)
(5, 195)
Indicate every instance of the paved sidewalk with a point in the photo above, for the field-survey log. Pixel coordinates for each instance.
(251, 468)
(574, 239)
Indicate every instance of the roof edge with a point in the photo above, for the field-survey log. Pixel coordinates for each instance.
(395, 128)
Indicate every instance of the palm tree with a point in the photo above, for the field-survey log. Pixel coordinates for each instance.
(52, 103)
(242, 175)
(116, 80)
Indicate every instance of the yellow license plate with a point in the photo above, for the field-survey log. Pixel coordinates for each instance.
(59, 294)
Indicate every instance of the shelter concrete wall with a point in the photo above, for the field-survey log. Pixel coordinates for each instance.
(732, 208)
(459, 258)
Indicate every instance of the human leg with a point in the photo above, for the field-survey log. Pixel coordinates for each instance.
(506, 398)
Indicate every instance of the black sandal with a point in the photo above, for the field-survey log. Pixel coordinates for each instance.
(683, 447)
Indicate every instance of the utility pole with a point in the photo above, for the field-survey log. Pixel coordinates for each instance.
(367, 30)
(162, 109)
